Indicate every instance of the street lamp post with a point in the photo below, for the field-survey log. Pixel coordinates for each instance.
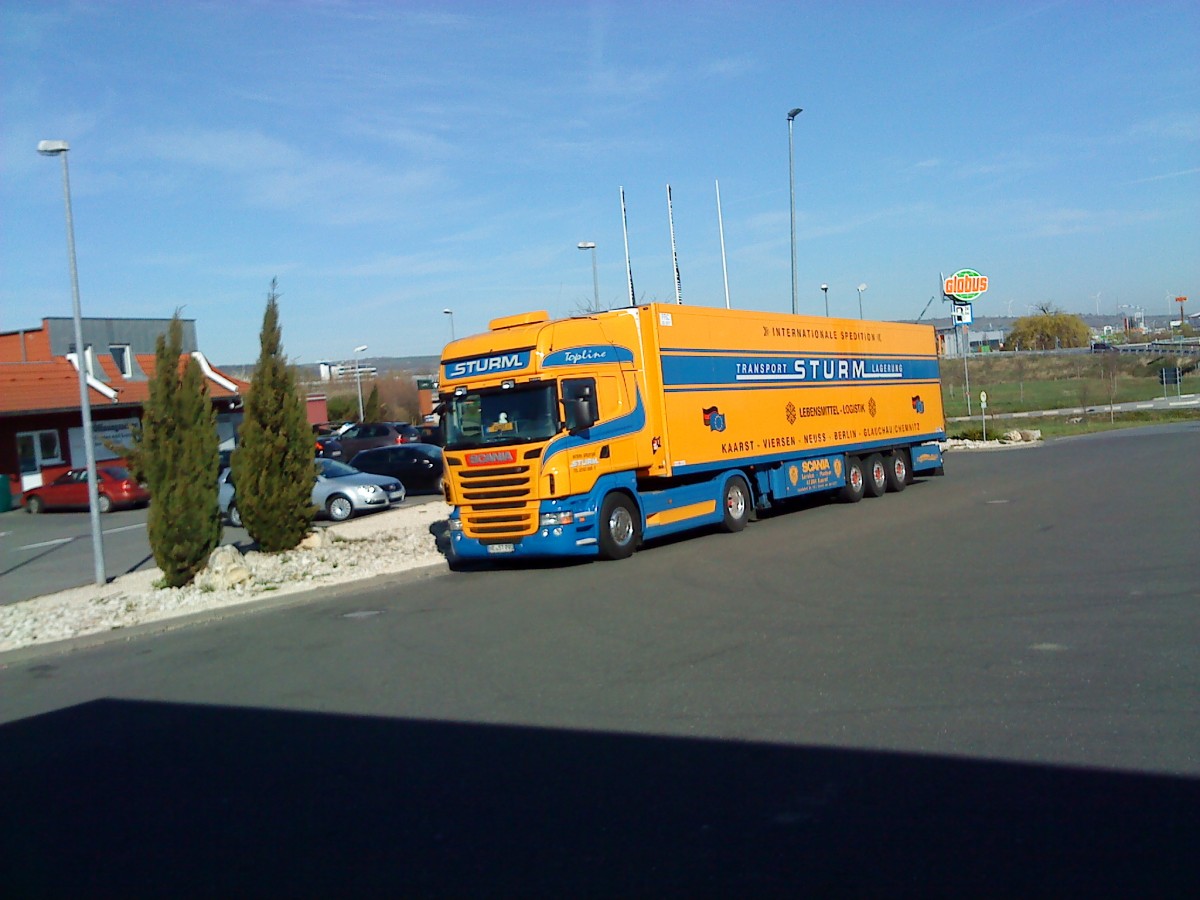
(358, 380)
(792, 199)
(591, 245)
(825, 291)
(60, 148)
(861, 288)
(450, 313)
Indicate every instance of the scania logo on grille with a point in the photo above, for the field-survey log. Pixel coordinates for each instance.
(491, 458)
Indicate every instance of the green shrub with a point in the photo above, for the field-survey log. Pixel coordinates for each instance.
(175, 453)
(967, 433)
(273, 464)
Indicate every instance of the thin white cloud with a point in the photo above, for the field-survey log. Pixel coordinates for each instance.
(1167, 176)
(1168, 127)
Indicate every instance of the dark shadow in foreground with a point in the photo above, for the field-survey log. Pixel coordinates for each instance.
(121, 798)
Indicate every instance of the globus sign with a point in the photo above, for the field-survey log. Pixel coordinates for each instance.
(965, 284)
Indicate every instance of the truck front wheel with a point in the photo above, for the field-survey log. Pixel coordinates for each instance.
(620, 527)
(737, 504)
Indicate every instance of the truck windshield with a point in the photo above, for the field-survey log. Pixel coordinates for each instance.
(515, 416)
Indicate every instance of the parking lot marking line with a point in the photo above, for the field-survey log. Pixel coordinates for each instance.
(48, 543)
(124, 528)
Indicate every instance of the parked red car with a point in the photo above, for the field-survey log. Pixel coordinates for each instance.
(70, 490)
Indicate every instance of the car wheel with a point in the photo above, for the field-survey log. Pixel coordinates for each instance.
(737, 504)
(620, 527)
(855, 481)
(34, 505)
(339, 508)
(897, 471)
(235, 517)
(104, 503)
(875, 473)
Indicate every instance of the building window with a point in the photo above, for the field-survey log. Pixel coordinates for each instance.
(123, 358)
(36, 449)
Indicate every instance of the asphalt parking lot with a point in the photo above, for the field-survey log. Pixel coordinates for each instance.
(983, 686)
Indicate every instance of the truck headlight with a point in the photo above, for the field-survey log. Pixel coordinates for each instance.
(454, 524)
(551, 519)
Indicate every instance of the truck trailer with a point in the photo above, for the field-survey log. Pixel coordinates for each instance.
(586, 436)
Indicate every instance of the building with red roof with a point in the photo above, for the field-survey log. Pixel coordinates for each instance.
(41, 422)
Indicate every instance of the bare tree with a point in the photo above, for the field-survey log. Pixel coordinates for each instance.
(1110, 370)
(1020, 366)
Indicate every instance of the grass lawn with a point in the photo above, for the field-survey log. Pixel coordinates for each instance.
(1026, 382)
(1060, 426)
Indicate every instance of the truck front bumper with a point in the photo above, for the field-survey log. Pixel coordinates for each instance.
(564, 529)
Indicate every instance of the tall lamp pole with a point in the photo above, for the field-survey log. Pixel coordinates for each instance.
(60, 148)
(358, 380)
(825, 291)
(591, 245)
(792, 198)
(862, 287)
(450, 313)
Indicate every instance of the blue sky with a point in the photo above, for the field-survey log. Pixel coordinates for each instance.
(386, 161)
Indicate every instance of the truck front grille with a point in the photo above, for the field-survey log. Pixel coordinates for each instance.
(496, 503)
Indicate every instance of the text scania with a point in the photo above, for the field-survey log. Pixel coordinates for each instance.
(803, 370)
(486, 364)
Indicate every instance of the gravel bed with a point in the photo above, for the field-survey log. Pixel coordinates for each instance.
(395, 540)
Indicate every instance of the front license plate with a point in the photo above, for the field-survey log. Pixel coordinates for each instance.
(500, 548)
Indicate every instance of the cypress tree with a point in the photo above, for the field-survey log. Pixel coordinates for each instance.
(175, 453)
(273, 465)
(371, 411)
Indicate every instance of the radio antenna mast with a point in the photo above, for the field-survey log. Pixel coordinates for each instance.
(674, 254)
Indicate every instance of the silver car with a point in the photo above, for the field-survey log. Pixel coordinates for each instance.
(340, 492)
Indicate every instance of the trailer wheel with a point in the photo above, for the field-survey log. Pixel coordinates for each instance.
(737, 504)
(897, 470)
(855, 481)
(620, 527)
(875, 475)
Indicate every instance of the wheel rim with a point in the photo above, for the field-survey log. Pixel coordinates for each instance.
(104, 503)
(899, 469)
(878, 473)
(735, 501)
(340, 508)
(856, 477)
(620, 525)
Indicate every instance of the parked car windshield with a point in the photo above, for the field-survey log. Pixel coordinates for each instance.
(514, 416)
(331, 468)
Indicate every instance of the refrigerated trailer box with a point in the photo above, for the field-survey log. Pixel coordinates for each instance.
(585, 436)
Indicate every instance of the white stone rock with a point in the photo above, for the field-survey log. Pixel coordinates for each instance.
(225, 570)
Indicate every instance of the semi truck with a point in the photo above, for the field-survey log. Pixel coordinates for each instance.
(588, 435)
